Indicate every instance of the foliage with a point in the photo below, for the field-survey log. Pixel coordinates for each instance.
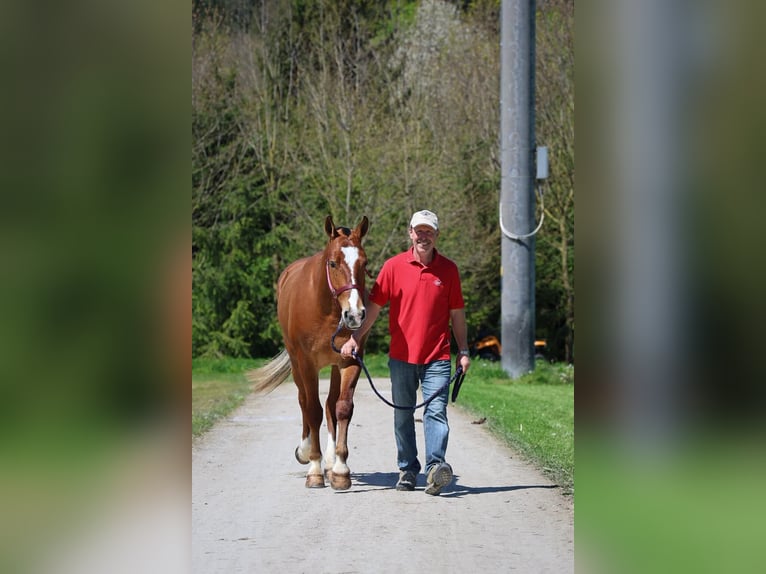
(363, 108)
(554, 252)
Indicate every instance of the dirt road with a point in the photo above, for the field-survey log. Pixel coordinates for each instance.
(251, 512)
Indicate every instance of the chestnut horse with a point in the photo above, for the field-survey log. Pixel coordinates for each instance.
(316, 296)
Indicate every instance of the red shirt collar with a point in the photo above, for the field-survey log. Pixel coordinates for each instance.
(412, 259)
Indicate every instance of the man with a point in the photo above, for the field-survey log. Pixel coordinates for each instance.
(423, 290)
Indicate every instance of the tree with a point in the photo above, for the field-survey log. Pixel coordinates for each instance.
(365, 108)
(555, 128)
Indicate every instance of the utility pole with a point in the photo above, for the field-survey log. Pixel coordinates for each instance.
(517, 202)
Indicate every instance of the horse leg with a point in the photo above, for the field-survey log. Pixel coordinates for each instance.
(332, 420)
(308, 397)
(340, 479)
(304, 448)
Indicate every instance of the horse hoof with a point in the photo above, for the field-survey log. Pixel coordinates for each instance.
(298, 456)
(340, 481)
(315, 481)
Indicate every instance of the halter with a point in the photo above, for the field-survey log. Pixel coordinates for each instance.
(335, 292)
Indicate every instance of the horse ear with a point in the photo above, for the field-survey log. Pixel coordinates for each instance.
(361, 229)
(329, 227)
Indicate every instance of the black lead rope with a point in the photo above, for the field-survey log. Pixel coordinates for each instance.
(457, 378)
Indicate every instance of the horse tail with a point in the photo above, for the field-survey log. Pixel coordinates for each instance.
(268, 377)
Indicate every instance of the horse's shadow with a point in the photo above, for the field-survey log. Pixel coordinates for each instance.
(387, 481)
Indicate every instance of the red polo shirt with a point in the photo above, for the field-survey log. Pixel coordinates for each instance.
(421, 297)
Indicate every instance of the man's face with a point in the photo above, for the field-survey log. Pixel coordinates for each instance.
(423, 238)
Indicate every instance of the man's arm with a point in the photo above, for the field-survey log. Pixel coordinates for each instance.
(459, 329)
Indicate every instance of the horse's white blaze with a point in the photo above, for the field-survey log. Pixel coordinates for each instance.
(329, 453)
(351, 254)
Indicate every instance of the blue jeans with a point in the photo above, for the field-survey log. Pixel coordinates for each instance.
(405, 379)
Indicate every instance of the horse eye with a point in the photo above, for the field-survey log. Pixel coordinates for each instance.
(332, 264)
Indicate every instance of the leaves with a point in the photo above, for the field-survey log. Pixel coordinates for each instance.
(375, 109)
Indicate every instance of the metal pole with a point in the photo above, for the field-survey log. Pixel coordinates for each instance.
(517, 134)
(648, 328)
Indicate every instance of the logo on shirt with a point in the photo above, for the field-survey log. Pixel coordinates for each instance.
(438, 282)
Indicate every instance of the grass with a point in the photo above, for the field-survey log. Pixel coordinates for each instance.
(695, 500)
(534, 414)
(218, 387)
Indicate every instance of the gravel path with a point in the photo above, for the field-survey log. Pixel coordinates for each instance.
(252, 514)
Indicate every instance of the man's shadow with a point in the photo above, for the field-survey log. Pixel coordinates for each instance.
(387, 481)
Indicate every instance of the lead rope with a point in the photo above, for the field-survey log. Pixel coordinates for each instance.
(457, 378)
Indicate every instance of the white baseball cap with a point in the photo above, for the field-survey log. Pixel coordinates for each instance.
(425, 217)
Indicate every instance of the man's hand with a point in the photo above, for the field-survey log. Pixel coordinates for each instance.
(349, 347)
(464, 361)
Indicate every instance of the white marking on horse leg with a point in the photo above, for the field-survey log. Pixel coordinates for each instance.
(340, 466)
(329, 453)
(315, 467)
(304, 449)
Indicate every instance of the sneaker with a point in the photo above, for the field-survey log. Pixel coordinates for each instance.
(407, 480)
(438, 477)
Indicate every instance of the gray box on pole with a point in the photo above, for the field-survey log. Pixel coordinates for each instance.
(542, 162)
(517, 201)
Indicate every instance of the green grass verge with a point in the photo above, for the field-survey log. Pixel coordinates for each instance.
(691, 503)
(218, 387)
(534, 414)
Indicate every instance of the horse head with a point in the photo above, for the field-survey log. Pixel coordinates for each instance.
(346, 266)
